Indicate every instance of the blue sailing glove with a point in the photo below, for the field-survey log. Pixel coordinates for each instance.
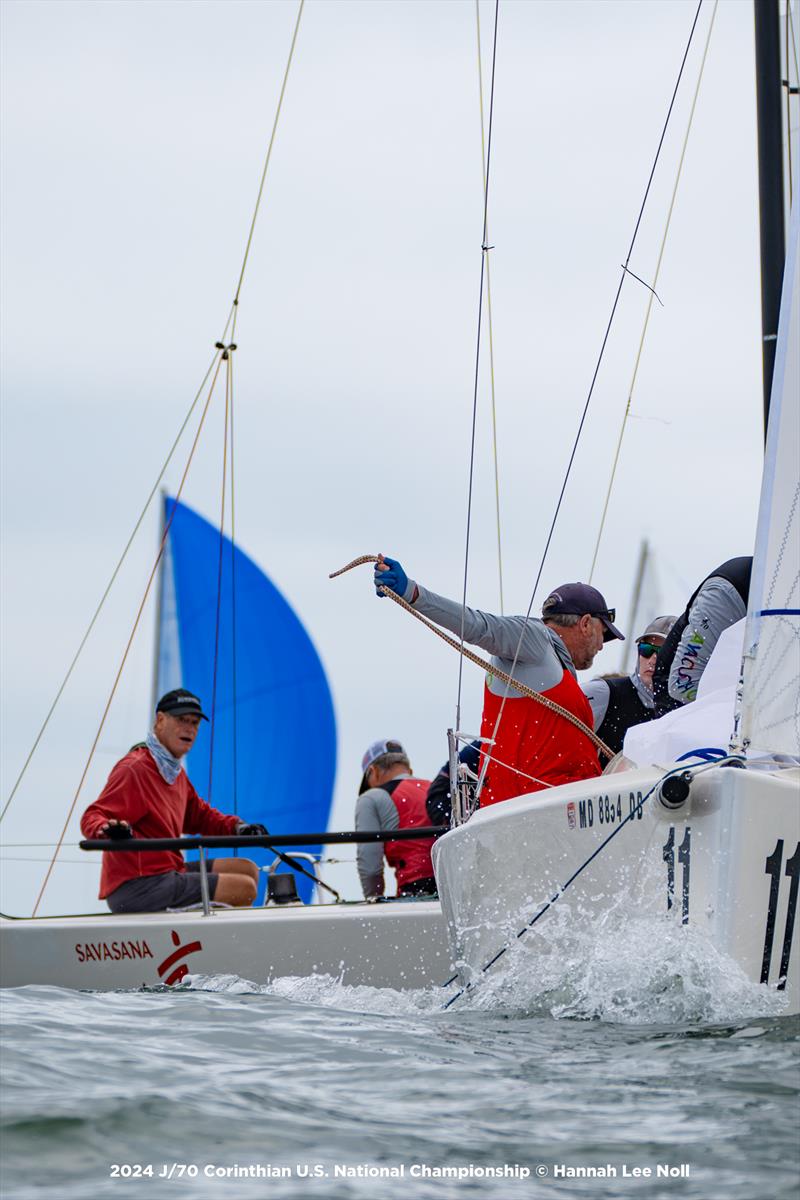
(252, 830)
(395, 578)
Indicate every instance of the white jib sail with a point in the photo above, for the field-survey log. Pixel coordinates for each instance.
(769, 717)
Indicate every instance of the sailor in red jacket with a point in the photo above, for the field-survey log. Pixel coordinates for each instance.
(391, 798)
(148, 795)
(534, 747)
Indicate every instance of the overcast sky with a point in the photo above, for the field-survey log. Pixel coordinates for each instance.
(133, 141)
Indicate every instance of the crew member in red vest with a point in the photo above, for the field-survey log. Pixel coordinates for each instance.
(391, 798)
(533, 746)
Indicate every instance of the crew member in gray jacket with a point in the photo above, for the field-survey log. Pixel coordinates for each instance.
(391, 798)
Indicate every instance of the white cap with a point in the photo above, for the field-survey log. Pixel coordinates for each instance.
(658, 627)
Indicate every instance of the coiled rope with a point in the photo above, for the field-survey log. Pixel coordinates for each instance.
(482, 662)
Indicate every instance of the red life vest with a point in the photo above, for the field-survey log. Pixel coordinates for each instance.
(411, 860)
(538, 742)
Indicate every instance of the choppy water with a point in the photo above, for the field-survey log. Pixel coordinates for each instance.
(679, 1064)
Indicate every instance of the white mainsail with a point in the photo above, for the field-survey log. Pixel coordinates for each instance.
(769, 716)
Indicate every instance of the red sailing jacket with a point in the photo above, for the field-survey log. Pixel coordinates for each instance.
(137, 793)
(540, 742)
(411, 860)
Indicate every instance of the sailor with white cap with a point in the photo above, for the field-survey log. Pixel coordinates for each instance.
(391, 798)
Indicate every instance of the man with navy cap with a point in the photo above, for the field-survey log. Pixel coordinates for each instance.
(391, 798)
(534, 747)
(148, 795)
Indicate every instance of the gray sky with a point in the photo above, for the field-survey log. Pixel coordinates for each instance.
(133, 140)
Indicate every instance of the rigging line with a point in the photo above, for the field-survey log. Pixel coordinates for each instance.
(482, 662)
(517, 771)
(226, 354)
(72, 862)
(636, 810)
(233, 619)
(590, 393)
(649, 308)
(159, 556)
(230, 324)
(110, 584)
(484, 254)
(643, 282)
(266, 161)
(490, 325)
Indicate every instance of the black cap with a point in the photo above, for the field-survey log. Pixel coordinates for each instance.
(582, 599)
(180, 702)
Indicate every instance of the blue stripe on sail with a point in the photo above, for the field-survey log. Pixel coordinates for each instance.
(778, 612)
(285, 724)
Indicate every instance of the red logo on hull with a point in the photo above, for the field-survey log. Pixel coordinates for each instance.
(170, 961)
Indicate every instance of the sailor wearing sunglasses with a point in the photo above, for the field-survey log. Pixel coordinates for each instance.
(625, 700)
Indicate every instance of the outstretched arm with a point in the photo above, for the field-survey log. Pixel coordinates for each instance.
(498, 635)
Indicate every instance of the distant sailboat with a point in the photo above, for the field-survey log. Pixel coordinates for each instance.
(646, 603)
(270, 751)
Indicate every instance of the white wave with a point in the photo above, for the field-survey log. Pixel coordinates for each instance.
(326, 991)
(624, 969)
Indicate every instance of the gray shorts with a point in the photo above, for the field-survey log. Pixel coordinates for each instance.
(157, 893)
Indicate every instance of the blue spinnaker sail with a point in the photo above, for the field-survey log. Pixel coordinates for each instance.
(271, 757)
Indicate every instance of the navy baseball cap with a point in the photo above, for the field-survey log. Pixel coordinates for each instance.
(581, 599)
(179, 702)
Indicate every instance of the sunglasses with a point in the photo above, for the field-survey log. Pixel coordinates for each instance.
(610, 615)
(647, 649)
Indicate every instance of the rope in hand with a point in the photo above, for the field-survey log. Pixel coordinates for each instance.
(482, 662)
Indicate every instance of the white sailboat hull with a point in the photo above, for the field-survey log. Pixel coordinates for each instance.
(726, 863)
(399, 944)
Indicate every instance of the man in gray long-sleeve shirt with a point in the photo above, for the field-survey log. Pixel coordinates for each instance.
(533, 746)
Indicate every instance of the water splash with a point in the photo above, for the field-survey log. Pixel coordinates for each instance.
(325, 991)
(621, 969)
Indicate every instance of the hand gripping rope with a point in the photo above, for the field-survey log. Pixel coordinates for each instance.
(482, 662)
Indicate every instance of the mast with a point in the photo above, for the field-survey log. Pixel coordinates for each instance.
(770, 180)
(644, 551)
